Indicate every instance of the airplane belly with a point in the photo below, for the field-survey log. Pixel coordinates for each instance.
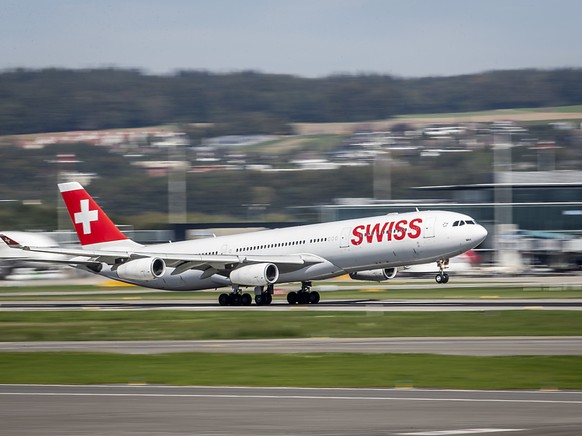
(380, 255)
(319, 271)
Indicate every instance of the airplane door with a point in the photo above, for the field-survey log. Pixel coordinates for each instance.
(428, 230)
(345, 238)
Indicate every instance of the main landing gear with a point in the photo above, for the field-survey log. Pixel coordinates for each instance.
(263, 297)
(442, 277)
(235, 298)
(304, 295)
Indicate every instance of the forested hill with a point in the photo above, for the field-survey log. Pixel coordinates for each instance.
(61, 100)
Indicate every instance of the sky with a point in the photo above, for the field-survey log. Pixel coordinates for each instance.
(309, 38)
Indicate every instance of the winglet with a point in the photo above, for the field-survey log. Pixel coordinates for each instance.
(10, 242)
(93, 226)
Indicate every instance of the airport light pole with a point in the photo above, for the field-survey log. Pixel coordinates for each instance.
(503, 195)
(382, 176)
(177, 210)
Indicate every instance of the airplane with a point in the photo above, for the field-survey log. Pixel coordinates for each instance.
(369, 249)
(12, 261)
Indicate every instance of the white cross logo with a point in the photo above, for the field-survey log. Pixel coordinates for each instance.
(86, 216)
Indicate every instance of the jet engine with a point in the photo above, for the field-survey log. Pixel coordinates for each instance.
(142, 269)
(374, 275)
(260, 274)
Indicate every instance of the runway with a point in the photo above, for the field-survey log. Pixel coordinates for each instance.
(371, 305)
(479, 346)
(133, 410)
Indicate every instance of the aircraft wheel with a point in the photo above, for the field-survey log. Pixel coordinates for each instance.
(445, 278)
(223, 299)
(246, 299)
(259, 300)
(439, 278)
(314, 297)
(236, 299)
(267, 298)
(303, 297)
(292, 297)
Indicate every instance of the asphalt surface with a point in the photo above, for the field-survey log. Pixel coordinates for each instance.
(480, 346)
(156, 410)
(371, 305)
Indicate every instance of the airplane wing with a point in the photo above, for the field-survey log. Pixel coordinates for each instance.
(180, 261)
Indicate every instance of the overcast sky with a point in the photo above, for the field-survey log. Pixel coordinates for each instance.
(311, 38)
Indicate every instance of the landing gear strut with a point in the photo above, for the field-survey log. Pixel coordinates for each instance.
(263, 297)
(442, 277)
(235, 298)
(304, 295)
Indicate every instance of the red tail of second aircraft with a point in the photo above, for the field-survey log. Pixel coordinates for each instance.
(93, 226)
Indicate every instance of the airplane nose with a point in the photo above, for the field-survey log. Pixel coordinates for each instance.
(480, 233)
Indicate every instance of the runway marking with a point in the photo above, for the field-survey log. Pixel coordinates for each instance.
(457, 432)
(283, 397)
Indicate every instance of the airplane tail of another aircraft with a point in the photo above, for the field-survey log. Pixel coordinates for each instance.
(93, 226)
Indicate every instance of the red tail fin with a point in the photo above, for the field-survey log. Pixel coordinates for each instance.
(93, 226)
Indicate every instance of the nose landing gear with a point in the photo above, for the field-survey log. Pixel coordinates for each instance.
(442, 277)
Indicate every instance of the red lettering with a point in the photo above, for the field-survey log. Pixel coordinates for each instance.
(414, 229)
(400, 230)
(393, 230)
(381, 235)
(358, 236)
(390, 228)
(370, 232)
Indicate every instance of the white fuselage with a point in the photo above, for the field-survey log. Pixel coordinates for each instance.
(343, 247)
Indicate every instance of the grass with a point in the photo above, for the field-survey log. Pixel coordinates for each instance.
(312, 143)
(467, 114)
(309, 370)
(55, 288)
(564, 109)
(228, 324)
(567, 109)
(391, 290)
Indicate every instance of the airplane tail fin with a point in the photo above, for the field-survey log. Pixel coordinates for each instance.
(93, 226)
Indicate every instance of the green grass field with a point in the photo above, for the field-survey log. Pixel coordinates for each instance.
(562, 109)
(309, 370)
(293, 144)
(229, 324)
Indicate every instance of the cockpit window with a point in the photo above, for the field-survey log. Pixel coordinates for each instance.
(462, 223)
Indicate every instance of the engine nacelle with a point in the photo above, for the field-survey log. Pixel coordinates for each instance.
(374, 275)
(142, 269)
(260, 274)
